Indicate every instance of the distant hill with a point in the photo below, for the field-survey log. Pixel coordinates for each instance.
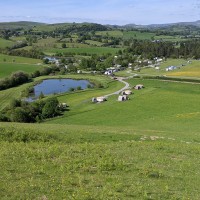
(196, 23)
(20, 24)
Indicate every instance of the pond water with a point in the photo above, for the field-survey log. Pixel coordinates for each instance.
(56, 86)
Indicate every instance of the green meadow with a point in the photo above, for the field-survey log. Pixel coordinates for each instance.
(5, 43)
(17, 59)
(185, 70)
(144, 148)
(138, 35)
(152, 109)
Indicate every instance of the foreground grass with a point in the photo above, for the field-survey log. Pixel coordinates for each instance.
(145, 148)
(60, 162)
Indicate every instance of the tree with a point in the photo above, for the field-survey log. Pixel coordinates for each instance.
(19, 115)
(50, 108)
(64, 45)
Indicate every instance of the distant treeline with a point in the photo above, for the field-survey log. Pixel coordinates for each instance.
(149, 49)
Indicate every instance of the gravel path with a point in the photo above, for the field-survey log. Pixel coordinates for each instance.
(119, 91)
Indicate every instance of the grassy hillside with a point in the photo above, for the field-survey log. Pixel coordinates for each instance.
(79, 162)
(10, 64)
(5, 43)
(162, 106)
(145, 148)
(187, 70)
(8, 68)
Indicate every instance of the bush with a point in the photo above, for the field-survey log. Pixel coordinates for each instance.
(15, 79)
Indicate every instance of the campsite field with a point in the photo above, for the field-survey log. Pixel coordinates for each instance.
(161, 103)
(144, 148)
(190, 70)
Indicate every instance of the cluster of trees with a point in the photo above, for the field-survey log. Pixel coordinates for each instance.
(18, 45)
(30, 112)
(149, 49)
(15, 79)
(32, 53)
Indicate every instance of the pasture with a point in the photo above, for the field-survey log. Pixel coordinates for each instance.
(161, 103)
(144, 148)
(7, 69)
(17, 59)
(185, 69)
(5, 43)
(138, 35)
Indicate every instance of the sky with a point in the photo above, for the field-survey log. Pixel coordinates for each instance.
(118, 12)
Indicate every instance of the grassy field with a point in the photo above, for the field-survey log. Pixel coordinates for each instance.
(144, 148)
(5, 43)
(138, 35)
(187, 71)
(8, 68)
(89, 50)
(110, 33)
(157, 106)
(17, 59)
(91, 162)
(10, 64)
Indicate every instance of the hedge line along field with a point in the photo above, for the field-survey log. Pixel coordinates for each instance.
(82, 162)
(87, 50)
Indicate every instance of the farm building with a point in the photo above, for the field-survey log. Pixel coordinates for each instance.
(138, 87)
(123, 98)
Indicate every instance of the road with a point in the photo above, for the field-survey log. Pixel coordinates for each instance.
(119, 91)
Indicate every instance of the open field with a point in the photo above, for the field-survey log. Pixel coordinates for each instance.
(5, 43)
(89, 50)
(95, 162)
(138, 35)
(190, 70)
(145, 148)
(17, 59)
(114, 33)
(7, 69)
(161, 103)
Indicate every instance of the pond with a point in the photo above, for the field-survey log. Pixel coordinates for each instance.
(56, 86)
